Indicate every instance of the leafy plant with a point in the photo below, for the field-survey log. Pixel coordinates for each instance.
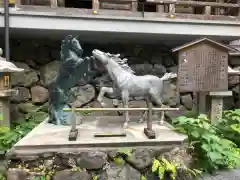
(161, 168)
(229, 126)
(2, 177)
(9, 137)
(210, 149)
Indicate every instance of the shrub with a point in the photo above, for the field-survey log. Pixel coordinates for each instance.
(212, 150)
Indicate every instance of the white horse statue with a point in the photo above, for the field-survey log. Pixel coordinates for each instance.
(126, 84)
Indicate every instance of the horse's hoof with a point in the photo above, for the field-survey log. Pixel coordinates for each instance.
(125, 125)
(141, 121)
(102, 104)
(155, 116)
(115, 103)
(161, 123)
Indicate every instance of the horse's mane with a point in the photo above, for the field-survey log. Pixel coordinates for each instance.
(122, 62)
(62, 49)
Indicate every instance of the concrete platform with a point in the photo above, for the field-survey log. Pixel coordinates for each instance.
(51, 138)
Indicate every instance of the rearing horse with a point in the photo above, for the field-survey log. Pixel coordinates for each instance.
(126, 84)
(73, 68)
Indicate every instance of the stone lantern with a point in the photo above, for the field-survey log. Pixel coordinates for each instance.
(6, 68)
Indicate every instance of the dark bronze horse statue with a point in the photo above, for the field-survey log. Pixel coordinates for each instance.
(74, 68)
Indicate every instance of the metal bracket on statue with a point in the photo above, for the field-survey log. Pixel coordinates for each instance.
(73, 135)
(74, 131)
(149, 132)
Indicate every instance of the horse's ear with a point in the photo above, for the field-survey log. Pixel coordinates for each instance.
(69, 37)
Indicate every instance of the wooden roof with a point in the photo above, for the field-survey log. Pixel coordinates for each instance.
(234, 53)
(202, 40)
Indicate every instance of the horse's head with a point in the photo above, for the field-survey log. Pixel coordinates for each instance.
(101, 56)
(115, 59)
(71, 43)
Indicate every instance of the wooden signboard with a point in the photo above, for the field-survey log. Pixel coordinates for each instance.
(203, 66)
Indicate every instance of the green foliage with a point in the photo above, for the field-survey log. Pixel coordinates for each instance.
(127, 152)
(161, 167)
(190, 114)
(44, 172)
(212, 150)
(229, 126)
(9, 137)
(41, 178)
(95, 177)
(2, 177)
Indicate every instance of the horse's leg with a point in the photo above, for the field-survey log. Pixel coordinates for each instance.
(116, 105)
(125, 100)
(115, 102)
(156, 98)
(102, 92)
(142, 119)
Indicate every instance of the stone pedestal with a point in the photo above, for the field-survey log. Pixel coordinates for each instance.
(47, 147)
(5, 106)
(217, 105)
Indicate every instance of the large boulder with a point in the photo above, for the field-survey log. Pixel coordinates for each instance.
(23, 95)
(234, 80)
(142, 69)
(71, 175)
(27, 108)
(17, 174)
(170, 95)
(173, 69)
(157, 58)
(168, 61)
(81, 94)
(158, 70)
(39, 94)
(187, 101)
(49, 72)
(42, 54)
(15, 113)
(234, 60)
(92, 160)
(26, 78)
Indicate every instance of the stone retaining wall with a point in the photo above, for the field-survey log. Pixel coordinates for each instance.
(40, 58)
(98, 165)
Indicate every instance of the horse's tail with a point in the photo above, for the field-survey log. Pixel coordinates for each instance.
(168, 76)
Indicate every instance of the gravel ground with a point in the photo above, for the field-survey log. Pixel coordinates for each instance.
(224, 175)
